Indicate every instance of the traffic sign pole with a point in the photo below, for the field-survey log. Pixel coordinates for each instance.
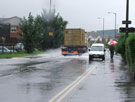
(127, 16)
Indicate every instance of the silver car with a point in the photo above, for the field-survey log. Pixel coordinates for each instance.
(4, 49)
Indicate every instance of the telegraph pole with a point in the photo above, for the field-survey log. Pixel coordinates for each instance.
(127, 22)
(127, 17)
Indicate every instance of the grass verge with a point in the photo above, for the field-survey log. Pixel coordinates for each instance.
(20, 54)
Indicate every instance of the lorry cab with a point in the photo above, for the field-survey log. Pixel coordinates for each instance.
(97, 50)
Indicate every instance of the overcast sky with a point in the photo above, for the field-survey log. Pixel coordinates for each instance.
(78, 13)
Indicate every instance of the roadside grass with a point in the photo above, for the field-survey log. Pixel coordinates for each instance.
(20, 54)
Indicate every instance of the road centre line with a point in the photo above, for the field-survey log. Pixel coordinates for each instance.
(70, 87)
(64, 89)
(68, 91)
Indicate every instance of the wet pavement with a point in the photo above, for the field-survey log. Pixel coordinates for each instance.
(40, 78)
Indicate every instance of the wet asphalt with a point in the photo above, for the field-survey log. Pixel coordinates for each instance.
(39, 78)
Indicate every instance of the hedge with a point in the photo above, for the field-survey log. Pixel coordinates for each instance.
(120, 47)
(126, 47)
(130, 50)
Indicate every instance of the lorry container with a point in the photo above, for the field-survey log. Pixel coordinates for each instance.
(74, 42)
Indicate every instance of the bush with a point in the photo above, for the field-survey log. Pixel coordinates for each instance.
(120, 47)
(126, 47)
(130, 50)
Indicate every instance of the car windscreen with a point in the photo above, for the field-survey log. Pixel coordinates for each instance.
(96, 48)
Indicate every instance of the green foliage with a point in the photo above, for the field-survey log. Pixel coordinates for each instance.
(36, 31)
(19, 54)
(30, 31)
(126, 47)
(130, 50)
(106, 44)
(120, 46)
(127, 53)
(51, 23)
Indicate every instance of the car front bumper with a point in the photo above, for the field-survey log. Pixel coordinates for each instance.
(96, 56)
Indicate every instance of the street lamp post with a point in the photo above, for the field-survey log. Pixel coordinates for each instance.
(115, 21)
(103, 25)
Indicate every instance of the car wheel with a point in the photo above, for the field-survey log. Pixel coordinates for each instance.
(90, 58)
(103, 58)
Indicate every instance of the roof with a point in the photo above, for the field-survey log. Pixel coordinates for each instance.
(2, 19)
(93, 34)
(12, 20)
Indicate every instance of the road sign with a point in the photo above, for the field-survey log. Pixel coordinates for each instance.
(50, 33)
(126, 22)
(127, 30)
(131, 29)
(122, 30)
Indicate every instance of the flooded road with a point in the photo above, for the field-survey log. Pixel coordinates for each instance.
(40, 78)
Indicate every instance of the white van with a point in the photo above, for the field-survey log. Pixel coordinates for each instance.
(97, 50)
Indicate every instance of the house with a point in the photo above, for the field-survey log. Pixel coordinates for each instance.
(98, 35)
(14, 28)
(93, 36)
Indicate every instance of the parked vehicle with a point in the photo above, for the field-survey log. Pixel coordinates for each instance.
(4, 49)
(97, 50)
(74, 42)
(19, 47)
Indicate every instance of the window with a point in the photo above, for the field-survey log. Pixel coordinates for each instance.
(96, 48)
(13, 29)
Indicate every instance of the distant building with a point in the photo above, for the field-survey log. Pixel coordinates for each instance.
(98, 35)
(110, 32)
(93, 36)
(14, 28)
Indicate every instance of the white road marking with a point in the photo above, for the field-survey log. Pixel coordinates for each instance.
(62, 94)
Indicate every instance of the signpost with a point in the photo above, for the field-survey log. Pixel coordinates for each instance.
(50, 33)
(127, 22)
(131, 29)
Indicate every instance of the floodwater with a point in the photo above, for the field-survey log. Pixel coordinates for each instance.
(40, 78)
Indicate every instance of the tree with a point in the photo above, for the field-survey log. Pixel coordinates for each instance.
(31, 33)
(51, 22)
(36, 31)
(59, 25)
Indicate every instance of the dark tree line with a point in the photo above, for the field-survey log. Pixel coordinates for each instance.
(36, 31)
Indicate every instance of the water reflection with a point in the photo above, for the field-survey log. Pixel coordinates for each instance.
(112, 66)
(41, 79)
(111, 60)
(125, 85)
